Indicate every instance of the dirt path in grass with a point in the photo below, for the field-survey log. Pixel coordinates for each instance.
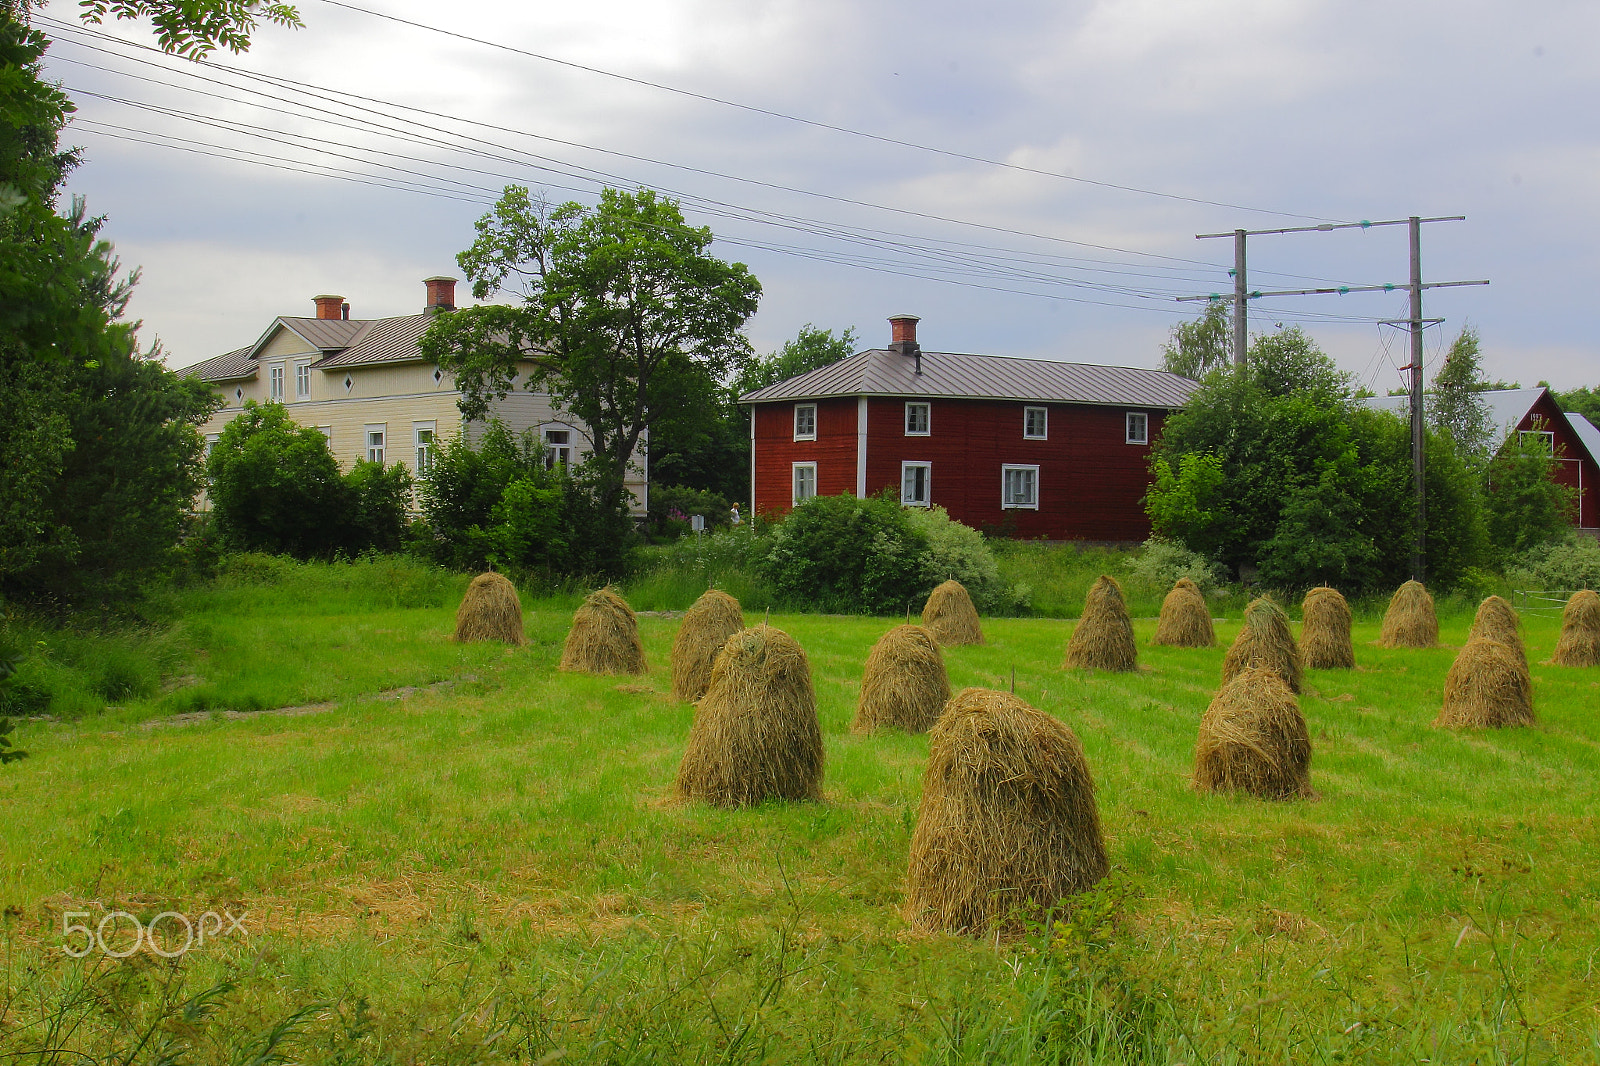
(405, 692)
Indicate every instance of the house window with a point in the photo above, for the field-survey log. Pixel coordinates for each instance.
(1545, 436)
(1138, 427)
(375, 441)
(917, 419)
(805, 482)
(302, 381)
(327, 432)
(275, 375)
(211, 442)
(805, 421)
(914, 481)
(422, 435)
(1019, 487)
(1036, 423)
(557, 448)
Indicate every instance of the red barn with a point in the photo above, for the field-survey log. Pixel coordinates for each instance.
(1044, 448)
(1573, 440)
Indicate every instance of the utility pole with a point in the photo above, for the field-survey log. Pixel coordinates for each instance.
(1241, 302)
(1416, 323)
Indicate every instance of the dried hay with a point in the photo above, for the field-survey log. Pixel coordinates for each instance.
(950, 616)
(1185, 618)
(1497, 620)
(755, 735)
(904, 684)
(1103, 637)
(1325, 631)
(490, 611)
(1410, 621)
(1580, 632)
(1253, 737)
(1008, 824)
(604, 638)
(1487, 687)
(1265, 641)
(706, 626)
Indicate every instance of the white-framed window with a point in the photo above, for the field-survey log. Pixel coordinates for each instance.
(275, 377)
(805, 482)
(1525, 436)
(1036, 423)
(915, 484)
(1019, 487)
(327, 431)
(557, 448)
(377, 435)
(805, 421)
(211, 442)
(302, 381)
(1138, 427)
(422, 436)
(919, 419)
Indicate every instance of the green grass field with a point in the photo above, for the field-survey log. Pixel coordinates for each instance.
(456, 854)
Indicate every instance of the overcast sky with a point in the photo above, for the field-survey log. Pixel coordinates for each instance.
(1154, 121)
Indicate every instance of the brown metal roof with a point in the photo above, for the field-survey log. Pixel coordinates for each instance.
(385, 340)
(230, 367)
(329, 334)
(985, 377)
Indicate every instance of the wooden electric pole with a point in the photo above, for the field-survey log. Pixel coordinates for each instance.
(1242, 295)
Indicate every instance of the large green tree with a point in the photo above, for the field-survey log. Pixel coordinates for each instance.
(1454, 405)
(1198, 347)
(1584, 400)
(99, 447)
(1274, 466)
(621, 314)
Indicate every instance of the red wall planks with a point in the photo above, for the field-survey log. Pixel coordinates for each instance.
(1091, 481)
(1574, 466)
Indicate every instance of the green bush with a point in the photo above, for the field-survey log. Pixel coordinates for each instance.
(1567, 564)
(380, 506)
(1160, 563)
(849, 556)
(959, 552)
(1526, 507)
(672, 505)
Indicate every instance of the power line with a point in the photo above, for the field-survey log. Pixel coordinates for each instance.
(814, 123)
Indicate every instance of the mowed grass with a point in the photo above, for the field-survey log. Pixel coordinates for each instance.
(490, 866)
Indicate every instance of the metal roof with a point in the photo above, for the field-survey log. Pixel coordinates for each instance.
(329, 334)
(982, 377)
(385, 340)
(1586, 433)
(1507, 408)
(230, 367)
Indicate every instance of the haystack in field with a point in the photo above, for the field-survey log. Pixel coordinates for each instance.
(604, 638)
(1008, 824)
(1580, 632)
(1264, 641)
(1487, 687)
(1103, 638)
(755, 735)
(490, 611)
(950, 616)
(1410, 621)
(1325, 631)
(1253, 737)
(904, 684)
(706, 626)
(1185, 618)
(1497, 620)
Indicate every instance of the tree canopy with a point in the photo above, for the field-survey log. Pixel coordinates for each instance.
(1196, 348)
(622, 315)
(1276, 467)
(1454, 406)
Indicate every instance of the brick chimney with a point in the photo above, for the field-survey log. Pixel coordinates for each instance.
(441, 295)
(331, 306)
(903, 337)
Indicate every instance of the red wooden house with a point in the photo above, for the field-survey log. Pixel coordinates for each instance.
(1573, 440)
(1046, 448)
